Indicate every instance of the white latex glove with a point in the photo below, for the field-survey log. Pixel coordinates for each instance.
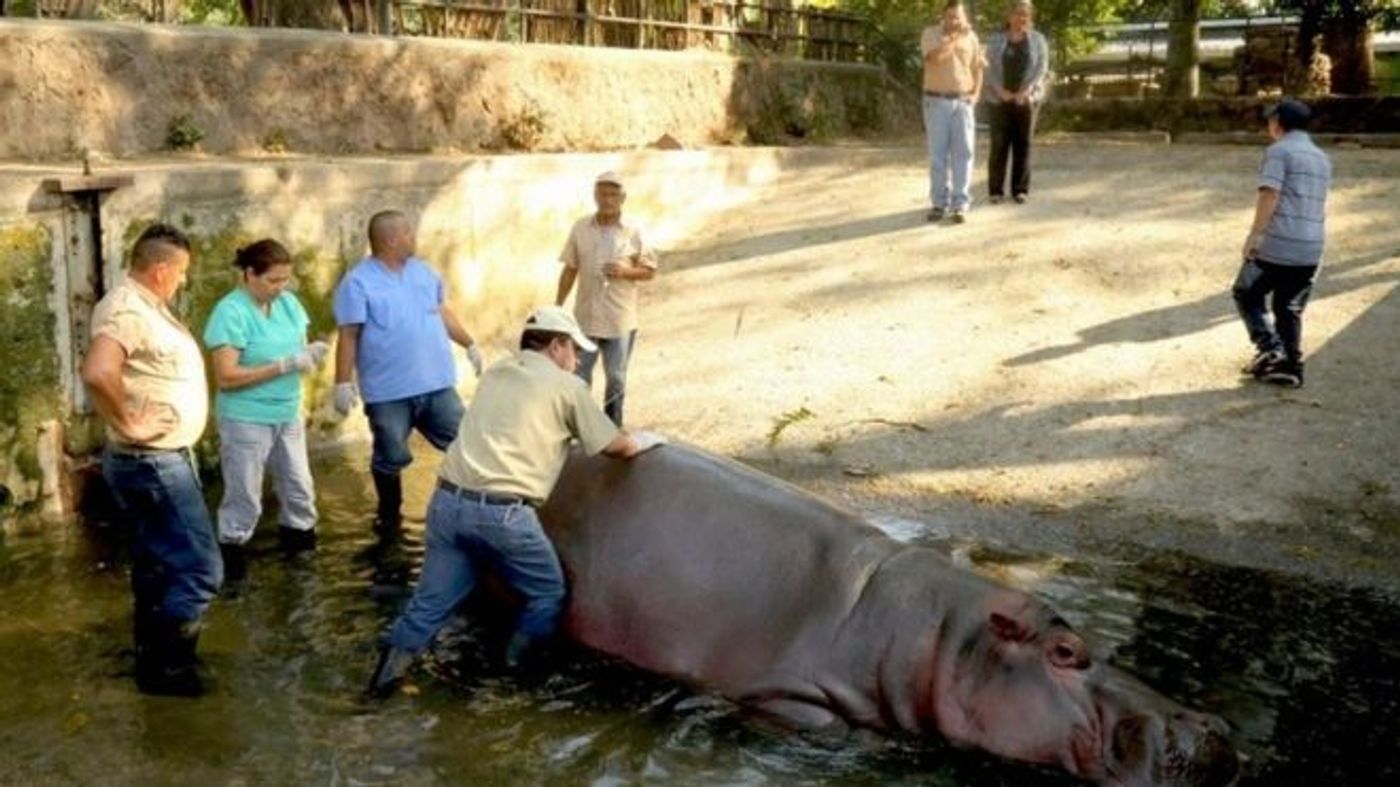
(345, 397)
(474, 355)
(308, 359)
(647, 440)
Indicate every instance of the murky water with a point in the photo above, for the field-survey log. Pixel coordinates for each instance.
(1306, 674)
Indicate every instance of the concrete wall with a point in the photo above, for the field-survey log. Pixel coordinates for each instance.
(493, 226)
(118, 90)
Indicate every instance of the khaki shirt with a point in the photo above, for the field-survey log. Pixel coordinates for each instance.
(515, 436)
(605, 308)
(957, 73)
(164, 367)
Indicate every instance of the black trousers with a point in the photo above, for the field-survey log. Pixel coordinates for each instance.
(1290, 286)
(1012, 127)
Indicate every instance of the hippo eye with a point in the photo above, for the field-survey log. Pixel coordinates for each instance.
(1069, 653)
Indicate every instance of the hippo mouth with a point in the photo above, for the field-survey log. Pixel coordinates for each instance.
(1185, 750)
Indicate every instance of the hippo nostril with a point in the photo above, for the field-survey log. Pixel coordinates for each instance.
(1217, 762)
(1130, 741)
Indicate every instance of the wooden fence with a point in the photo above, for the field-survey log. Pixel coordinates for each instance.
(717, 25)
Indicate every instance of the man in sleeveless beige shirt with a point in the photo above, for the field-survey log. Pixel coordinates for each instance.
(953, 64)
(146, 376)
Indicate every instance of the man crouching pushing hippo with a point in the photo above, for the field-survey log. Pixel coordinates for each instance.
(511, 445)
(706, 571)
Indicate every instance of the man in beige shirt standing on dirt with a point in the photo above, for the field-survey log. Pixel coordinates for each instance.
(953, 64)
(608, 258)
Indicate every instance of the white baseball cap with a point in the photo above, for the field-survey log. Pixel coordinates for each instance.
(557, 319)
(609, 177)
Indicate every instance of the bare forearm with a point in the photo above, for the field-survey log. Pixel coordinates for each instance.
(1264, 207)
(346, 347)
(455, 329)
(109, 397)
(102, 373)
(234, 377)
(566, 283)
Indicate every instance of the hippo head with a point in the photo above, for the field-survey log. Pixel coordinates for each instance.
(1025, 686)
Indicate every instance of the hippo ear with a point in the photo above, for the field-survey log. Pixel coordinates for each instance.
(1007, 628)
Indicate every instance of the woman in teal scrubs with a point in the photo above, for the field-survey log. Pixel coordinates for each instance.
(257, 340)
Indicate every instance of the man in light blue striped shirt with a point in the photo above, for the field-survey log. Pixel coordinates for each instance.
(1284, 247)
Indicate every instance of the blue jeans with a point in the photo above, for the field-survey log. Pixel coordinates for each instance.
(176, 569)
(948, 123)
(465, 534)
(1290, 287)
(616, 353)
(435, 415)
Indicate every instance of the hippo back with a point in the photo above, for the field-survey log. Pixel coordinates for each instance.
(699, 568)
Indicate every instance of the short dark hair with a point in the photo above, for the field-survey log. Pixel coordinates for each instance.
(258, 257)
(540, 340)
(155, 245)
(1292, 114)
(375, 229)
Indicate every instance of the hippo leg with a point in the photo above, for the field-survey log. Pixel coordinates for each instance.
(798, 713)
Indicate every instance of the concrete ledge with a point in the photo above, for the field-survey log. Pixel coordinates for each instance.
(1109, 137)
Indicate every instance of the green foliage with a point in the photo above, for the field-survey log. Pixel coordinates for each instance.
(899, 23)
(275, 141)
(1062, 21)
(1349, 10)
(20, 7)
(183, 133)
(785, 420)
(212, 12)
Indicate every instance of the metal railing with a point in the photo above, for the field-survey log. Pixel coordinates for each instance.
(718, 25)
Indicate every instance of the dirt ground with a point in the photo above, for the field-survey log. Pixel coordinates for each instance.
(1050, 374)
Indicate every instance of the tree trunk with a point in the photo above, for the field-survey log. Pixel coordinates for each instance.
(1183, 50)
(1348, 41)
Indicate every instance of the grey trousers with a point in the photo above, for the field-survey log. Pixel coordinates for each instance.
(245, 449)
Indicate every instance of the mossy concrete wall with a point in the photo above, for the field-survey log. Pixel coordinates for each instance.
(30, 394)
(126, 90)
(492, 226)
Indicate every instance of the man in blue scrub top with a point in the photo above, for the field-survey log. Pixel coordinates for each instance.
(394, 330)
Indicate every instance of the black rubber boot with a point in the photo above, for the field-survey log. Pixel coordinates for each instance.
(517, 650)
(293, 541)
(389, 672)
(389, 488)
(235, 557)
(166, 666)
(143, 630)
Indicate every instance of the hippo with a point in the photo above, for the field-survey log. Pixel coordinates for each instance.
(698, 568)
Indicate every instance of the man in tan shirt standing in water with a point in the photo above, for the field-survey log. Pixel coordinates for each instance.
(953, 64)
(146, 376)
(608, 259)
